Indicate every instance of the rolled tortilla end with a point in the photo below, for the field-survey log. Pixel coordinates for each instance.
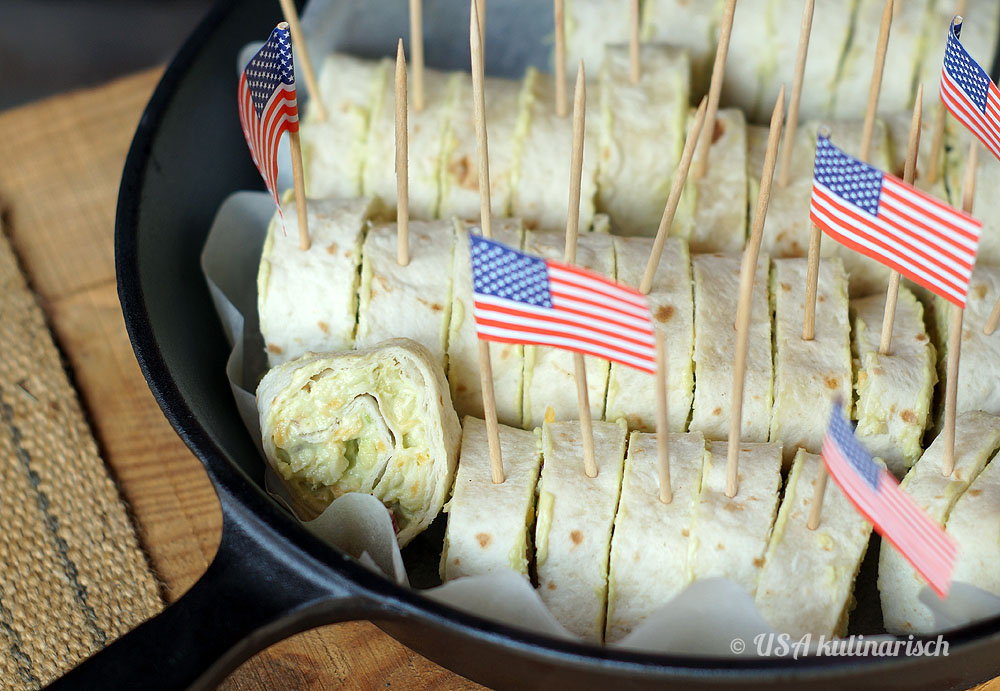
(377, 421)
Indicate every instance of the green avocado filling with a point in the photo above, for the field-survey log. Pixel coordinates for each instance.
(355, 430)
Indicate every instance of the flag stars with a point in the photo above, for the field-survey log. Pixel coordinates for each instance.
(502, 272)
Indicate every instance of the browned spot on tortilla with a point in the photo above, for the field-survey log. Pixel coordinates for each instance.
(832, 382)
(821, 298)
(465, 174)
(576, 536)
(531, 225)
(921, 337)
(733, 507)
(827, 547)
(331, 248)
(786, 287)
(719, 131)
(636, 557)
(274, 349)
(717, 411)
(686, 533)
(484, 539)
(551, 586)
(758, 562)
(457, 561)
(908, 416)
(877, 371)
(323, 326)
(460, 388)
(664, 313)
(720, 547)
(980, 290)
(437, 307)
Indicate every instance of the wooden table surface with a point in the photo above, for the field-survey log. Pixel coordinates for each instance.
(61, 163)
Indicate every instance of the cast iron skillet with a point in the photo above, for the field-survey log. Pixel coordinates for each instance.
(270, 578)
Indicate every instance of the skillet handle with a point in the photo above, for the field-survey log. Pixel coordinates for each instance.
(251, 596)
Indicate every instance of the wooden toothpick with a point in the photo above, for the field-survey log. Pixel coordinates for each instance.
(572, 230)
(402, 172)
(300, 54)
(486, 222)
(819, 492)
(298, 182)
(633, 41)
(994, 320)
(662, 419)
(812, 283)
(417, 52)
(715, 89)
(748, 271)
(791, 126)
(562, 105)
(876, 85)
(937, 141)
(909, 174)
(955, 330)
(676, 188)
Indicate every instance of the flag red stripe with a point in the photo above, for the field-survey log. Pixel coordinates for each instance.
(554, 318)
(589, 280)
(861, 225)
(957, 102)
(904, 237)
(643, 364)
(588, 308)
(848, 241)
(483, 319)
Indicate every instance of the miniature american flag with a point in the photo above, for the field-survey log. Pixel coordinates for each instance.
(520, 298)
(877, 495)
(968, 91)
(879, 215)
(268, 106)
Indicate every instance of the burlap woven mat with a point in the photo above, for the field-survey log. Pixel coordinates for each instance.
(72, 574)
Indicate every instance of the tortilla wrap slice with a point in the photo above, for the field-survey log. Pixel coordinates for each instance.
(685, 24)
(541, 187)
(590, 25)
(894, 391)
(977, 436)
(984, 203)
(631, 392)
(632, 116)
(507, 359)
(425, 143)
(377, 421)
(650, 544)
(902, 58)
(831, 28)
(787, 226)
(549, 373)
(974, 525)
(307, 300)
(898, 125)
(749, 55)
(716, 294)
(729, 536)
(713, 211)
(978, 375)
(333, 150)
(808, 375)
(412, 301)
(575, 517)
(488, 524)
(460, 159)
(807, 583)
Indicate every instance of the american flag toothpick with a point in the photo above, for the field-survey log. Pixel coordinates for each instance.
(268, 108)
